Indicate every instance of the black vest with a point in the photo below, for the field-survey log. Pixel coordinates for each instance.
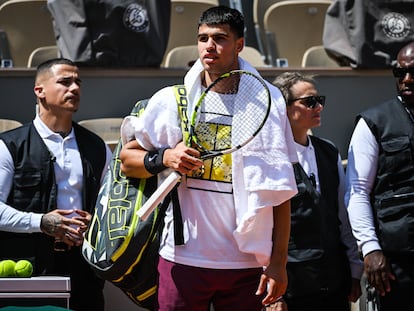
(392, 197)
(34, 188)
(317, 259)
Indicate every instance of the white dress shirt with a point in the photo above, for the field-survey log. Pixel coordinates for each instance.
(68, 174)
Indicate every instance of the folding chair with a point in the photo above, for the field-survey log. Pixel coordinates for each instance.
(181, 57)
(184, 20)
(316, 56)
(259, 10)
(106, 128)
(41, 54)
(28, 25)
(293, 26)
(8, 124)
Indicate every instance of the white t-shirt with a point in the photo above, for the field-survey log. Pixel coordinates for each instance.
(210, 215)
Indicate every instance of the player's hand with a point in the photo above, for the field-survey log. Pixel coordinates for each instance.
(182, 159)
(57, 224)
(378, 272)
(274, 279)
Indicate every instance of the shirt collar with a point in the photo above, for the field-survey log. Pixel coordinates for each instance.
(46, 132)
(303, 149)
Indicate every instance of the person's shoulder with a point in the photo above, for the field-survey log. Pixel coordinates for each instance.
(381, 106)
(162, 97)
(16, 132)
(273, 89)
(163, 93)
(86, 134)
(378, 113)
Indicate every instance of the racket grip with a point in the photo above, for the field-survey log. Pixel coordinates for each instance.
(162, 191)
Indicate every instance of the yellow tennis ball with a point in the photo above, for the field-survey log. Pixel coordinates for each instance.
(7, 268)
(23, 268)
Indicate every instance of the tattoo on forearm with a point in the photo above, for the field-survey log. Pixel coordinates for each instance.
(50, 224)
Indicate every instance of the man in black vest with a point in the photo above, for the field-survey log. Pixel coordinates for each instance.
(380, 189)
(50, 174)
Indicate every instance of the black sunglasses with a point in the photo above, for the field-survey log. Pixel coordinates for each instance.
(311, 101)
(399, 72)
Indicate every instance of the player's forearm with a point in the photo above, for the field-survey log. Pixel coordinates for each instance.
(281, 233)
(132, 161)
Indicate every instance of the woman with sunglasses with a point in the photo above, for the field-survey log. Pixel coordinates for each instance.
(324, 268)
(380, 189)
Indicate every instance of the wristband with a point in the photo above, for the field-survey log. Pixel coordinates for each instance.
(153, 161)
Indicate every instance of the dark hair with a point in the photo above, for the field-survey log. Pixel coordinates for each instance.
(286, 80)
(221, 14)
(46, 65)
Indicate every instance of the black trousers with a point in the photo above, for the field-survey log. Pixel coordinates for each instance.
(86, 287)
(322, 301)
(402, 289)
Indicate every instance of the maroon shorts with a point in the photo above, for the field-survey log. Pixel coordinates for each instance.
(188, 288)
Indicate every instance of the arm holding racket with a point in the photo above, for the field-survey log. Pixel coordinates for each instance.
(245, 115)
(182, 159)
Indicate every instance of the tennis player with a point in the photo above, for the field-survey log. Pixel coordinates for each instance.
(235, 208)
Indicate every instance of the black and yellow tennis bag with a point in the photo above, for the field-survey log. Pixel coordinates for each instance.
(120, 247)
(111, 245)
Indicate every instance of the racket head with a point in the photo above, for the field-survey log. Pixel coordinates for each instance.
(229, 113)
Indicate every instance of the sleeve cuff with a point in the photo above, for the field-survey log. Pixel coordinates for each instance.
(369, 247)
(34, 225)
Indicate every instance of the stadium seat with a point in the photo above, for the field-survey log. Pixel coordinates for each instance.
(293, 26)
(184, 56)
(184, 21)
(28, 25)
(253, 56)
(106, 128)
(41, 54)
(259, 10)
(8, 124)
(316, 56)
(181, 57)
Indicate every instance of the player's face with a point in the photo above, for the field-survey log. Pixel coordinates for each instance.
(302, 117)
(59, 89)
(218, 49)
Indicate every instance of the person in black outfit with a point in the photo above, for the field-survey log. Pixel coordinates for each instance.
(324, 268)
(380, 189)
(50, 175)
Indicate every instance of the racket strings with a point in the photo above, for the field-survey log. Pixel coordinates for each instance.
(213, 129)
(232, 111)
(250, 111)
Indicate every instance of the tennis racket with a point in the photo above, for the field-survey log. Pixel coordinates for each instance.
(227, 116)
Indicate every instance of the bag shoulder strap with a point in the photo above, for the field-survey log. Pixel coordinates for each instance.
(180, 92)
